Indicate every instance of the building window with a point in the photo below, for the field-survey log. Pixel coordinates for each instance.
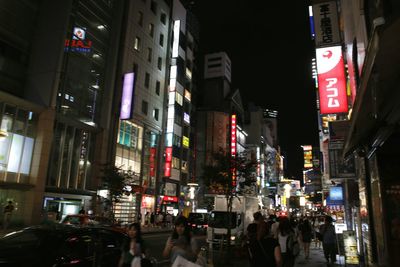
(151, 29)
(161, 42)
(140, 18)
(145, 106)
(163, 18)
(175, 163)
(149, 54)
(156, 111)
(136, 45)
(153, 7)
(158, 86)
(159, 63)
(147, 80)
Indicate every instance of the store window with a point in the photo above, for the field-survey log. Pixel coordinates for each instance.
(17, 138)
(129, 149)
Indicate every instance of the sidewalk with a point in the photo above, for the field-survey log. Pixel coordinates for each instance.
(317, 259)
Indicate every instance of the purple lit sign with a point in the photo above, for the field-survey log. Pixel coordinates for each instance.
(126, 100)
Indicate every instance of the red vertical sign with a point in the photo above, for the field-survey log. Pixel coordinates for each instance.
(331, 80)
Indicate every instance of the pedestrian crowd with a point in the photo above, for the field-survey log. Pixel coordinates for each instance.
(278, 241)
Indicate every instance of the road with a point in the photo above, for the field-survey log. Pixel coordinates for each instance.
(155, 243)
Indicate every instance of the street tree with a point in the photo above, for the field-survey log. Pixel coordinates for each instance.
(115, 180)
(232, 177)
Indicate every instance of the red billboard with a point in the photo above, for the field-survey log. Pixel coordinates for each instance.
(331, 80)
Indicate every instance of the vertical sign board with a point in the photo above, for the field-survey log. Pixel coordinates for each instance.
(233, 146)
(126, 99)
(350, 248)
(338, 167)
(331, 80)
(326, 24)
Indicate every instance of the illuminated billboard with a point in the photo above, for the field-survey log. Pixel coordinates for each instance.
(307, 149)
(331, 80)
(78, 43)
(126, 99)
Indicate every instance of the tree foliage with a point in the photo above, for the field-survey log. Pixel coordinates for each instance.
(115, 180)
(218, 174)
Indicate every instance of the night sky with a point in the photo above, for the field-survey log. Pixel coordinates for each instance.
(270, 48)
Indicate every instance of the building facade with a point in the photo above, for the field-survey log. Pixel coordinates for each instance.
(55, 115)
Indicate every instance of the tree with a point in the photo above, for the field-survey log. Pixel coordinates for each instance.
(115, 180)
(219, 176)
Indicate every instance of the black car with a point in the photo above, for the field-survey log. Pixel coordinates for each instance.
(198, 222)
(62, 245)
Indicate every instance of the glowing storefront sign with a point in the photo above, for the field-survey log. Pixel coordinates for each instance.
(127, 92)
(78, 43)
(170, 199)
(152, 160)
(233, 145)
(186, 117)
(331, 80)
(175, 44)
(185, 141)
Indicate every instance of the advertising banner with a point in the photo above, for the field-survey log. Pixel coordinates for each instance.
(331, 80)
(326, 24)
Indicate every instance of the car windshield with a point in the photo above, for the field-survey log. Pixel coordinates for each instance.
(220, 219)
(199, 218)
(21, 239)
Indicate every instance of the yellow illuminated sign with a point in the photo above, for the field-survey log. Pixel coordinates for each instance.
(185, 142)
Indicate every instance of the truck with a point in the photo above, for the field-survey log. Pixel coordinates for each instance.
(243, 208)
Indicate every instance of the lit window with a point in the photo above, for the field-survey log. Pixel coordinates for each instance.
(136, 45)
(155, 113)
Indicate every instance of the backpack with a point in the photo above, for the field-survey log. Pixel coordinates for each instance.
(292, 245)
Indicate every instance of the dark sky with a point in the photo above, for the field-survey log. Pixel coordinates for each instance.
(270, 48)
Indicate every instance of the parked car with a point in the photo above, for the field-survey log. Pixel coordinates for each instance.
(87, 220)
(60, 245)
(198, 222)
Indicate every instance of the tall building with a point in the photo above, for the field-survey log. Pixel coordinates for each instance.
(139, 103)
(177, 146)
(57, 77)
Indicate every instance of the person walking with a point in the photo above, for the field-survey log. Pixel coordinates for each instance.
(132, 250)
(180, 242)
(262, 252)
(262, 227)
(286, 237)
(306, 236)
(7, 213)
(327, 231)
